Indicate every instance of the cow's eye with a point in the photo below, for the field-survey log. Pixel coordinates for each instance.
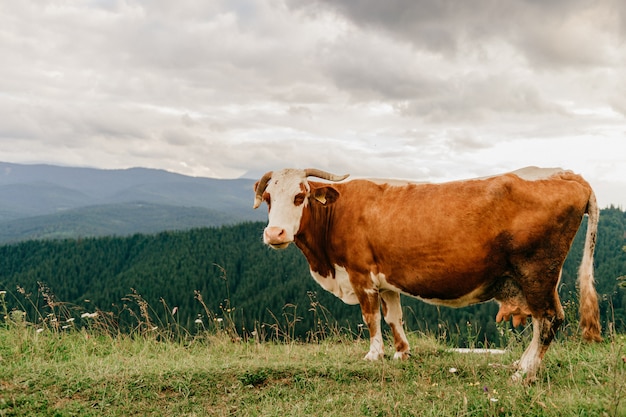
(298, 199)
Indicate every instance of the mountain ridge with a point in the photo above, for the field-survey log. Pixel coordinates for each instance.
(35, 198)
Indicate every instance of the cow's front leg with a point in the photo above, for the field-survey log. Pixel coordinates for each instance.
(392, 311)
(370, 307)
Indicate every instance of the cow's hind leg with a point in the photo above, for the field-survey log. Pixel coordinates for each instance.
(546, 321)
(392, 311)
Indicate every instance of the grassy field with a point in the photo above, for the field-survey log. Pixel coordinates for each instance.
(78, 373)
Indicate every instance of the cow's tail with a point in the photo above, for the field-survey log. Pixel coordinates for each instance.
(589, 309)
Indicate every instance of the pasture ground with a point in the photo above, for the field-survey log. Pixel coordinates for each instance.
(82, 374)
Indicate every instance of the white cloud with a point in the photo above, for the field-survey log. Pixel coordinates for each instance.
(413, 89)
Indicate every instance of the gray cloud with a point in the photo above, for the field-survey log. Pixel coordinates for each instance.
(555, 33)
(414, 89)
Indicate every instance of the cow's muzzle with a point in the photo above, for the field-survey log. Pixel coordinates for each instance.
(276, 237)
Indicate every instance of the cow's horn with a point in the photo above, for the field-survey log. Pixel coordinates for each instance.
(312, 172)
(260, 189)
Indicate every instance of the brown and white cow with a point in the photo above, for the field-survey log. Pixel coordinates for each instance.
(458, 243)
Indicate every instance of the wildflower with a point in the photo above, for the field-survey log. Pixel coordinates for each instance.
(71, 319)
(67, 326)
(453, 370)
(198, 321)
(495, 392)
(219, 320)
(2, 292)
(174, 311)
(39, 330)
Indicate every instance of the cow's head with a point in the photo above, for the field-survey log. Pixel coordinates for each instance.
(287, 192)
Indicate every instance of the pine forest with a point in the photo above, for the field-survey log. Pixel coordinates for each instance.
(212, 276)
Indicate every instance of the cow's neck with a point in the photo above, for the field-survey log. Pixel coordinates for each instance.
(313, 239)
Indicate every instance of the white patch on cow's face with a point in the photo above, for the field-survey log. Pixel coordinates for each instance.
(284, 214)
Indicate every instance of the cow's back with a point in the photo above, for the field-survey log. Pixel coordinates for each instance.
(442, 241)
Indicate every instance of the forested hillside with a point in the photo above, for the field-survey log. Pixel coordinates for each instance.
(231, 268)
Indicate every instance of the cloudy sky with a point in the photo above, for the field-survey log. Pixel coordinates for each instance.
(429, 90)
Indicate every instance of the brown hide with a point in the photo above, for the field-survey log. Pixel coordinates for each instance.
(482, 239)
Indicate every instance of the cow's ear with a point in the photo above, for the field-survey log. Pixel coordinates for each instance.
(325, 195)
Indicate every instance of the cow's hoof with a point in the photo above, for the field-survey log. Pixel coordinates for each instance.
(374, 356)
(401, 356)
(523, 377)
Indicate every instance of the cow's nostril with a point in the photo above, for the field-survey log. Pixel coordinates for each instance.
(275, 235)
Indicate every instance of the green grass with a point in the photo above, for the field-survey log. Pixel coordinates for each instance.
(83, 373)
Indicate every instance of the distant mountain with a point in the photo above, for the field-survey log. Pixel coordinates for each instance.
(112, 220)
(21, 200)
(46, 201)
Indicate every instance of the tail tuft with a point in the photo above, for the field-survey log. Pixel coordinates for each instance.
(589, 309)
